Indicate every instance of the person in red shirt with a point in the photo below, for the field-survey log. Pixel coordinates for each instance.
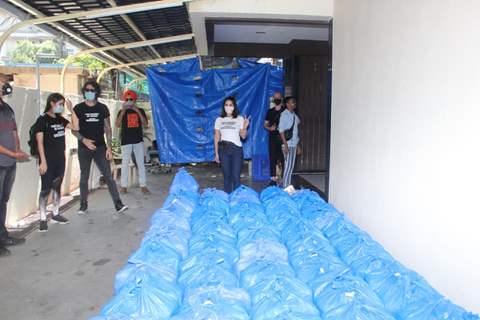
(132, 120)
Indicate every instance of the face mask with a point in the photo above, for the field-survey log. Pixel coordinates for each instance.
(58, 108)
(7, 89)
(90, 95)
(228, 109)
(129, 103)
(277, 101)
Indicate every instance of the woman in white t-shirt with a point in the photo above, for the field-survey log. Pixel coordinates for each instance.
(230, 128)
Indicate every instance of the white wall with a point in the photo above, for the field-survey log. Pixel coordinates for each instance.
(405, 152)
(199, 10)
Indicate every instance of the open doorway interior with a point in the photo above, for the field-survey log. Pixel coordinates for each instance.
(305, 47)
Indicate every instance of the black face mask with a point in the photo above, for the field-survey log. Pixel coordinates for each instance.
(7, 89)
(277, 101)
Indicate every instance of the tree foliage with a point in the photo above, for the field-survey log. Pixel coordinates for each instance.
(25, 51)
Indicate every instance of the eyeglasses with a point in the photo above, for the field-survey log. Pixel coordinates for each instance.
(90, 90)
(129, 99)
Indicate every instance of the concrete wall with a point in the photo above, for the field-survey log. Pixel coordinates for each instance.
(405, 155)
(313, 10)
(24, 197)
(49, 76)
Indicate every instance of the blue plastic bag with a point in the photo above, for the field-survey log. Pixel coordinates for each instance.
(182, 203)
(433, 310)
(357, 311)
(168, 218)
(175, 238)
(322, 217)
(183, 181)
(208, 274)
(261, 250)
(247, 235)
(148, 297)
(316, 267)
(264, 270)
(214, 302)
(306, 198)
(271, 193)
(159, 257)
(243, 194)
(247, 215)
(283, 300)
(213, 193)
(346, 291)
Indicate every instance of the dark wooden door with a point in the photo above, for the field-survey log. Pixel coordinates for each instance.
(311, 88)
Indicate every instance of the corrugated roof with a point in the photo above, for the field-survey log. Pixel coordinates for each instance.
(113, 30)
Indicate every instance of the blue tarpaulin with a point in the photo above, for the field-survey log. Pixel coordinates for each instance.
(186, 101)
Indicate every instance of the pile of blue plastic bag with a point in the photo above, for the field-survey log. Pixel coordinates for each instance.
(240, 256)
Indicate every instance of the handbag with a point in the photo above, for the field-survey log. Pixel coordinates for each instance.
(289, 132)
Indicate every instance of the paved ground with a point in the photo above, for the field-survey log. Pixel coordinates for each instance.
(68, 273)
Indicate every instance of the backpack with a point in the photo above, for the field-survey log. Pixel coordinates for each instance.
(32, 141)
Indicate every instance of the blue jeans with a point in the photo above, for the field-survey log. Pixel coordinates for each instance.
(231, 160)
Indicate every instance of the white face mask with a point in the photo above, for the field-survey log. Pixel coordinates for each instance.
(129, 103)
(229, 109)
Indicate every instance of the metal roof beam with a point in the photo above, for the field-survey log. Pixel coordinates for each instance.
(147, 62)
(129, 45)
(74, 38)
(134, 27)
(92, 14)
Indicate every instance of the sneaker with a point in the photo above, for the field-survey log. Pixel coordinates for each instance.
(144, 190)
(120, 207)
(59, 219)
(43, 226)
(4, 252)
(83, 208)
(123, 190)
(9, 241)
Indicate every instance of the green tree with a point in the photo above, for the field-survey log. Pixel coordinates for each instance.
(89, 63)
(25, 51)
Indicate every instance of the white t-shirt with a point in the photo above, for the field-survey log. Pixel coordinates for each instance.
(230, 129)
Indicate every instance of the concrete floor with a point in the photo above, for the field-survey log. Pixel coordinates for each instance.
(68, 273)
(318, 180)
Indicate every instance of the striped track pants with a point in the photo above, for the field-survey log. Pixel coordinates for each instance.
(289, 165)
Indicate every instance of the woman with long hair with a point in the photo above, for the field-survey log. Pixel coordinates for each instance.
(230, 128)
(50, 137)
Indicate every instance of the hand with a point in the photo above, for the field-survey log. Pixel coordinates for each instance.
(285, 149)
(273, 128)
(89, 144)
(217, 158)
(69, 105)
(20, 155)
(109, 154)
(246, 122)
(42, 168)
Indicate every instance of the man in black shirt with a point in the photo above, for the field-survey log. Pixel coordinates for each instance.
(132, 120)
(274, 142)
(91, 121)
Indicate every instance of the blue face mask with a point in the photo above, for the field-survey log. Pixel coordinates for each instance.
(90, 95)
(58, 108)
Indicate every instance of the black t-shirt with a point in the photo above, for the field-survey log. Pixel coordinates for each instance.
(53, 135)
(91, 122)
(132, 130)
(273, 118)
